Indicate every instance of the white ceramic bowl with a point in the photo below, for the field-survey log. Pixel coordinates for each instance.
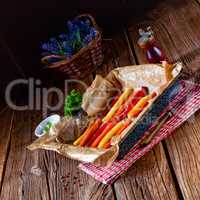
(39, 129)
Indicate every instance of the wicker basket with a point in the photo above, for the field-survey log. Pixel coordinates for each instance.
(85, 61)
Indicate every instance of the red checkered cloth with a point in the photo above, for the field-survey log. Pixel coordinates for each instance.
(189, 96)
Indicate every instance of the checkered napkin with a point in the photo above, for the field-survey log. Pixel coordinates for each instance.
(187, 102)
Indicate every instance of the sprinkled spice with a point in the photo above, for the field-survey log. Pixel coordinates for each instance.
(69, 182)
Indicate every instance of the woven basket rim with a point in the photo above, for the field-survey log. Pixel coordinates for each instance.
(81, 51)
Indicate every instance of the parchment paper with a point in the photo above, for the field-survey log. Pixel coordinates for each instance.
(95, 101)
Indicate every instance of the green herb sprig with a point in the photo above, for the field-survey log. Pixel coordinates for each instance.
(72, 103)
(47, 127)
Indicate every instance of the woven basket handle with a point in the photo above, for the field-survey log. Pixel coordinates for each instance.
(46, 59)
(91, 19)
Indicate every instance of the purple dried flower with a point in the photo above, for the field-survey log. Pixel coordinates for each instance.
(80, 33)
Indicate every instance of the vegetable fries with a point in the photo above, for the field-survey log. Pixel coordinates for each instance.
(119, 102)
(110, 134)
(125, 125)
(128, 106)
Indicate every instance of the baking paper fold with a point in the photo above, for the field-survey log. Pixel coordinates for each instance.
(95, 100)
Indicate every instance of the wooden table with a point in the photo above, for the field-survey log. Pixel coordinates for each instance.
(170, 171)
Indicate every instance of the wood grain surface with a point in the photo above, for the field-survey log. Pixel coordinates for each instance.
(175, 25)
(6, 116)
(38, 175)
(184, 148)
(148, 178)
(170, 171)
(177, 32)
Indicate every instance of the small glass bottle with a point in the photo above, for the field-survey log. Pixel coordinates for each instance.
(147, 42)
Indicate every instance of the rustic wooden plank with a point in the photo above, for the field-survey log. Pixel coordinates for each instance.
(117, 53)
(6, 116)
(76, 185)
(177, 32)
(158, 181)
(184, 148)
(15, 181)
(37, 175)
(149, 178)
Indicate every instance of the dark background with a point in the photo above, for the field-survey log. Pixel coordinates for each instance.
(25, 24)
